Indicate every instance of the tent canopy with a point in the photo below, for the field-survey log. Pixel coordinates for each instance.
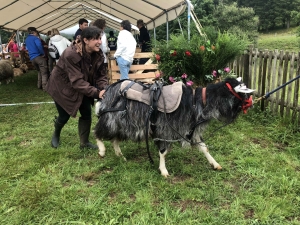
(62, 14)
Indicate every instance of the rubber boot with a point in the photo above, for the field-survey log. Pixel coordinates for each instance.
(56, 134)
(84, 127)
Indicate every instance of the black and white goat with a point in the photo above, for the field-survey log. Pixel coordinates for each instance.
(121, 118)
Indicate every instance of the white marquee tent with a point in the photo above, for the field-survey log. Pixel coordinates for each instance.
(62, 14)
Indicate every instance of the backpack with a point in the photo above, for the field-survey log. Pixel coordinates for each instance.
(53, 52)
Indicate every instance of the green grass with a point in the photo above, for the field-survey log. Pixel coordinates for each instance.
(285, 39)
(259, 183)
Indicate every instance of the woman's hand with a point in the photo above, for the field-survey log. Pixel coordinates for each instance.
(101, 93)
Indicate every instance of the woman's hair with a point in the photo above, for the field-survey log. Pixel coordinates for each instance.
(140, 22)
(126, 25)
(54, 32)
(90, 33)
(100, 23)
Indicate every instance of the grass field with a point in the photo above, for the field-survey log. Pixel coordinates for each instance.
(259, 183)
(285, 39)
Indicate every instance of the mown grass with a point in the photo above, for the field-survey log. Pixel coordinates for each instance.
(259, 183)
(285, 40)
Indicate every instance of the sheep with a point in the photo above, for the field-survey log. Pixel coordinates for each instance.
(6, 71)
(21, 70)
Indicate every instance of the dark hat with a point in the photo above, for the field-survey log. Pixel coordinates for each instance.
(31, 29)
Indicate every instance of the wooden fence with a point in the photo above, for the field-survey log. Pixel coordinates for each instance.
(266, 70)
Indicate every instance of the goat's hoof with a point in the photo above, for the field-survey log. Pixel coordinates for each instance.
(217, 167)
(101, 155)
(164, 173)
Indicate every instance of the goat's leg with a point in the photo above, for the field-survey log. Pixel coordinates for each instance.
(101, 148)
(116, 146)
(162, 163)
(211, 160)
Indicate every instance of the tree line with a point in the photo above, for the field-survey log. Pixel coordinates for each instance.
(242, 17)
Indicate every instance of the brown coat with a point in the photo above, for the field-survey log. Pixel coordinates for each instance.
(76, 75)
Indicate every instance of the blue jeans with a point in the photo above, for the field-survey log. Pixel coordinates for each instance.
(124, 66)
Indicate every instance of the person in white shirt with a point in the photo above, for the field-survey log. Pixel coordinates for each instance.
(125, 50)
(101, 23)
(60, 42)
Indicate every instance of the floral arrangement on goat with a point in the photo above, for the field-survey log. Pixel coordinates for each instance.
(198, 61)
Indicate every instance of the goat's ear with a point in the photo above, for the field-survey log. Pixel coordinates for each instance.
(239, 79)
(242, 88)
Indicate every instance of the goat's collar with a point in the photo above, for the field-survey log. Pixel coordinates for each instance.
(233, 92)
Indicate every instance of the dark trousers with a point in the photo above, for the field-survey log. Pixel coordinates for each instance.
(41, 65)
(50, 63)
(85, 110)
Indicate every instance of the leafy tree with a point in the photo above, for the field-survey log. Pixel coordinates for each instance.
(204, 11)
(5, 35)
(295, 15)
(239, 20)
(272, 13)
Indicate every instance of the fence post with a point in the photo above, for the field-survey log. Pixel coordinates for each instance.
(246, 78)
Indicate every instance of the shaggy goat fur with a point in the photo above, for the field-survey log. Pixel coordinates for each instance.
(118, 126)
(6, 71)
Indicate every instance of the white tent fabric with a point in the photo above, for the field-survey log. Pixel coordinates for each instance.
(62, 14)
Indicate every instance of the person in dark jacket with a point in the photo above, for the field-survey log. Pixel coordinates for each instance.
(37, 56)
(144, 40)
(83, 23)
(73, 82)
(112, 41)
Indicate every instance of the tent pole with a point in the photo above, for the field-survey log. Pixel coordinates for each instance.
(154, 33)
(18, 40)
(167, 20)
(179, 22)
(189, 20)
(1, 46)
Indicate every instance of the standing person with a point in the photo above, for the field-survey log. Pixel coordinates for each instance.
(112, 41)
(60, 42)
(144, 40)
(15, 48)
(83, 23)
(51, 61)
(100, 23)
(37, 56)
(72, 84)
(10, 45)
(46, 51)
(126, 49)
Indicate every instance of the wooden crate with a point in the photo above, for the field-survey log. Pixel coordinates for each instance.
(136, 71)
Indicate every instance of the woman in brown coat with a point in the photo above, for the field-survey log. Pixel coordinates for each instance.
(78, 78)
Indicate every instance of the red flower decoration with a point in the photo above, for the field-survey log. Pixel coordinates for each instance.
(202, 48)
(187, 53)
(173, 52)
(157, 57)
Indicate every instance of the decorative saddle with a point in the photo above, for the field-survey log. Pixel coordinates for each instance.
(168, 99)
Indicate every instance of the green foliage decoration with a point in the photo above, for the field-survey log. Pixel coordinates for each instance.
(194, 61)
